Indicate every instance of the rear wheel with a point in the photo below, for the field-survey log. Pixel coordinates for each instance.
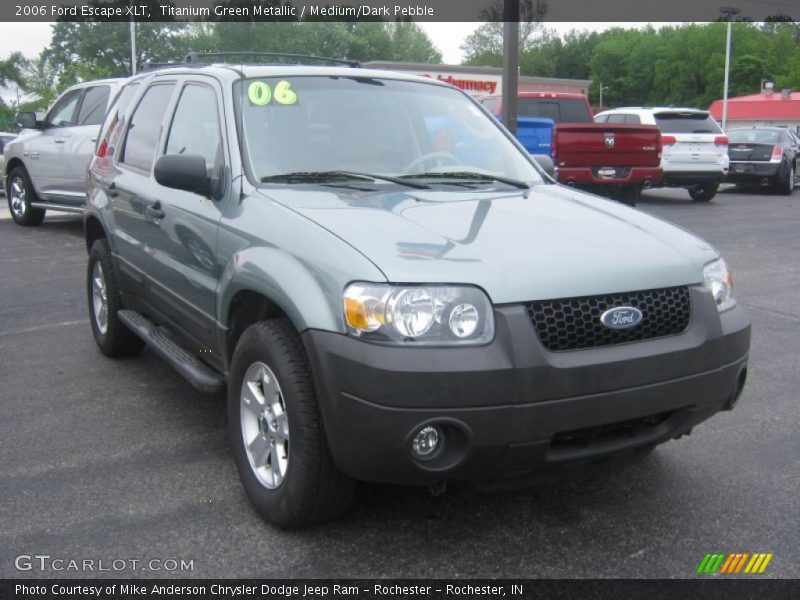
(630, 194)
(111, 335)
(703, 192)
(20, 196)
(276, 430)
(785, 185)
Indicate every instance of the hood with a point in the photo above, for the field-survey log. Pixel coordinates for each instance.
(550, 242)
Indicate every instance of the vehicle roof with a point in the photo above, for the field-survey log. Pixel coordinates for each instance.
(109, 81)
(653, 109)
(232, 72)
(759, 128)
(563, 95)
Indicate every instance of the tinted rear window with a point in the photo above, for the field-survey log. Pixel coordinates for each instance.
(687, 123)
(145, 127)
(93, 107)
(561, 110)
(755, 136)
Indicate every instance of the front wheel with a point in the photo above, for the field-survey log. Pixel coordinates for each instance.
(276, 430)
(703, 192)
(20, 196)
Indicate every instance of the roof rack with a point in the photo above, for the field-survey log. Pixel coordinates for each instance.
(152, 66)
(197, 57)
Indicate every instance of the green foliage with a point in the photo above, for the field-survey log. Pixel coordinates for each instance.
(672, 65)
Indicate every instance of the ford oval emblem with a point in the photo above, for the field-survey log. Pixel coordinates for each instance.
(621, 317)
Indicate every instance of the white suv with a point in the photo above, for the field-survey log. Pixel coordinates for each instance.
(695, 151)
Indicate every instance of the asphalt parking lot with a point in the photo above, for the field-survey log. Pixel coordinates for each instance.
(103, 459)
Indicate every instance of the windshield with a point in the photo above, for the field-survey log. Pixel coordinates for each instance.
(754, 136)
(381, 127)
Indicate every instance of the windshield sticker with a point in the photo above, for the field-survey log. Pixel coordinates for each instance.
(260, 93)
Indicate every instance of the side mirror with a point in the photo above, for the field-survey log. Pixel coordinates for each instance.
(546, 163)
(183, 172)
(26, 120)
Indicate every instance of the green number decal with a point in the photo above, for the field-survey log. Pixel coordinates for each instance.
(260, 93)
(284, 94)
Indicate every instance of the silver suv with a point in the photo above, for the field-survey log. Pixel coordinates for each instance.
(46, 165)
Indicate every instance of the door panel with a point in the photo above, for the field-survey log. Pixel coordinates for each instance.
(185, 270)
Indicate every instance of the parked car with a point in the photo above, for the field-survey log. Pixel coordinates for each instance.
(618, 160)
(5, 138)
(695, 151)
(46, 165)
(764, 155)
(409, 307)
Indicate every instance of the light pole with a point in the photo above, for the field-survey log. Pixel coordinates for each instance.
(602, 89)
(727, 12)
(133, 47)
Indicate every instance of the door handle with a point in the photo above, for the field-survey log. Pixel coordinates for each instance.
(59, 140)
(154, 211)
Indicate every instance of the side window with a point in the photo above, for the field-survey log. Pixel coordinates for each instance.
(195, 126)
(616, 118)
(112, 128)
(145, 127)
(63, 113)
(601, 119)
(632, 120)
(93, 107)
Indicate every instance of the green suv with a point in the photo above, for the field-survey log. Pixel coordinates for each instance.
(391, 289)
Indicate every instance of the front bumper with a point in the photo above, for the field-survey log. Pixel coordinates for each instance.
(512, 408)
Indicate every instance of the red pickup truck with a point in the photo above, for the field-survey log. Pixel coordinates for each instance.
(617, 160)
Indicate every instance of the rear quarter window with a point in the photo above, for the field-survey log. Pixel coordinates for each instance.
(686, 123)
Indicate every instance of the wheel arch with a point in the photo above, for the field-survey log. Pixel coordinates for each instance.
(93, 230)
(248, 293)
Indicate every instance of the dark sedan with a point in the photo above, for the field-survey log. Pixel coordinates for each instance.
(764, 155)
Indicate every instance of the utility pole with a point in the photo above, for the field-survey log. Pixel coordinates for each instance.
(727, 12)
(602, 89)
(510, 63)
(133, 47)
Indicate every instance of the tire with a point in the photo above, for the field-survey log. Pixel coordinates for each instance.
(112, 336)
(630, 194)
(20, 195)
(785, 185)
(294, 485)
(703, 192)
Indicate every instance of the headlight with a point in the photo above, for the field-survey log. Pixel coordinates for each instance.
(421, 315)
(719, 280)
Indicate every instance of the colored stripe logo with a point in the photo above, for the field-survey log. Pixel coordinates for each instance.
(735, 563)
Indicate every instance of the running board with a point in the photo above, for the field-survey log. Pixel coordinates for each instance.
(191, 368)
(60, 207)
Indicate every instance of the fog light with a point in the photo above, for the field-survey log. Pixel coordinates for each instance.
(427, 442)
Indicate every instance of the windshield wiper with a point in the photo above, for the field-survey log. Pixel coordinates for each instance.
(467, 175)
(322, 176)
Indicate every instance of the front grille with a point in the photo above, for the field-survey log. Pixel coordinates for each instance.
(574, 323)
(611, 432)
